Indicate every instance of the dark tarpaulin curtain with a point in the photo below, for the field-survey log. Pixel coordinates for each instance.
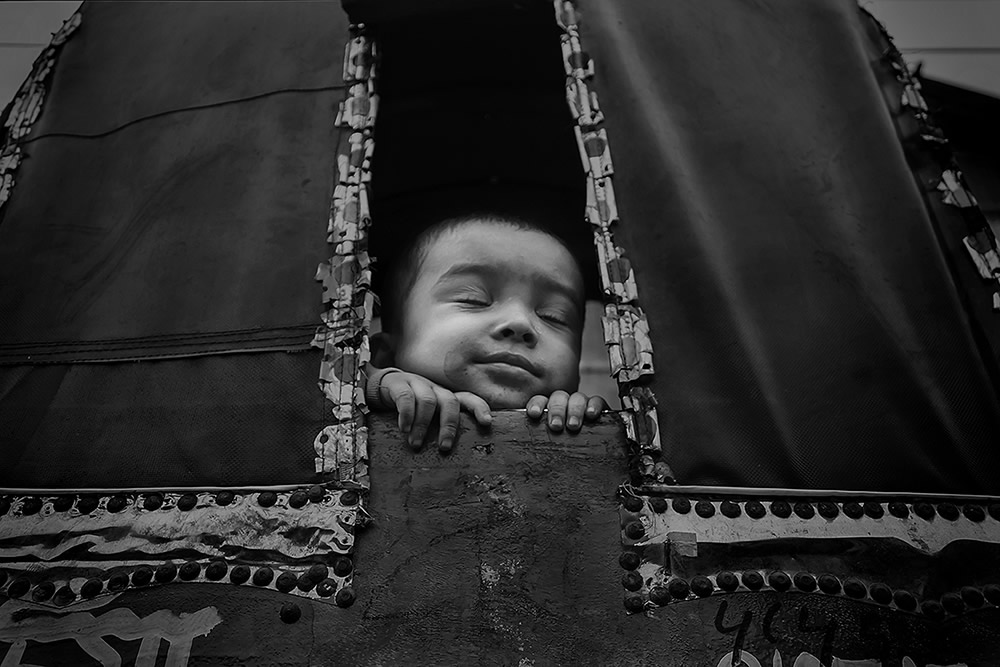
(173, 205)
(810, 329)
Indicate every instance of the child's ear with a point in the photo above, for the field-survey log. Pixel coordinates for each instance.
(383, 347)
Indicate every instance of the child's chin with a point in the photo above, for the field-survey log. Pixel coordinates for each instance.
(501, 398)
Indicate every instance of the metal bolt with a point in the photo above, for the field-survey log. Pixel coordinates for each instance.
(781, 509)
(779, 581)
(152, 502)
(727, 581)
(953, 604)
(632, 580)
(755, 509)
(974, 513)
(117, 582)
(805, 510)
(298, 499)
(267, 498)
(239, 574)
(804, 582)
(318, 572)
(681, 505)
(43, 591)
(992, 594)
(702, 586)
(224, 498)
(190, 570)
(18, 587)
(704, 508)
(290, 612)
(216, 570)
(659, 505)
(345, 597)
(635, 531)
(874, 510)
(932, 609)
(880, 593)
(304, 583)
(142, 576)
(63, 503)
(855, 589)
(64, 596)
(165, 572)
(924, 510)
(286, 582)
(972, 596)
(904, 600)
(349, 498)
(678, 589)
(899, 510)
(316, 493)
(753, 580)
(947, 511)
(116, 504)
(343, 566)
(633, 602)
(263, 576)
(187, 502)
(828, 510)
(730, 509)
(659, 595)
(632, 503)
(629, 560)
(854, 510)
(30, 506)
(326, 588)
(91, 588)
(829, 584)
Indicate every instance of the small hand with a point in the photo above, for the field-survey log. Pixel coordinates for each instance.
(417, 400)
(565, 409)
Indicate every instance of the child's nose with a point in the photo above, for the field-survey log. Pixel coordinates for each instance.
(516, 324)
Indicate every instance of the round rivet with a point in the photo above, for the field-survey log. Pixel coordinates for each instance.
(947, 511)
(224, 498)
(678, 589)
(880, 593)
(165, 572)
(342, 566)
(993, 509)
(286, 581)
(117, 582)
(63, 503)
(755, 509)
(681, 505)
(190, 570)
(304, 583)
(349, 498)
(974, 513)
(239, 574)
(267, 498)
(152, 502)
(187, 502)
(4, 505)
(632, 580)
(855, 589)
(216, 570)
(828, 510)
(142, 576)
(18, 587)
(702, 586)
(116, 504)
(972, 596)
(659, 505)
(91, 588)
(753, 580)
(290, 612)
(904, 600)
(633, 602)
(953, 604)
(659, 595)
(932, 608)
(43, 591)
(924, 510)
(326, 588)
(779, 581)
(854, 510)
(31, 506)
(781, 509)
(316, 493)
(829, 584)
(298, 499)
(727, 581)
(804, 582)
(318, 572)
(263, 576)
(899, 509)
(704, 508)
(805, 510)
(64, 596)
(87, 504)
(629, 560)
(632, 503)
(345, 597)
(730, 509)
(874, 510)
(635, 531)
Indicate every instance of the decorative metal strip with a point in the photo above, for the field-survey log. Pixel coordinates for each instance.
(626, 331)
(342, 447)
(980, 243)
(27, 106)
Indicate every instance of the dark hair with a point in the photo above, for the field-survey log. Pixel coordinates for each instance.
(402, 275)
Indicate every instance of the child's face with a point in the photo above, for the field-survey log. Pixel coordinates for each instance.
(496, 311)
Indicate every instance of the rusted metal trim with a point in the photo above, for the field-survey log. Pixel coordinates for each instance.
(626, 331)
(26, 107)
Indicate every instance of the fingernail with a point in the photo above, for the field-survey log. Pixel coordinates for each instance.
(488, 418)
(445, 445)
(555, 423)
(573, 422)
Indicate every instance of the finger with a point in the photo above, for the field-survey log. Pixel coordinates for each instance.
(426, 406)
(536, 406)
(557, 410)
(575, 408)
(595, 406)
(401, 395)
(448, 409)
(476, 406)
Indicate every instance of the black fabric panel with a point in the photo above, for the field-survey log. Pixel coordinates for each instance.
(806, 327)
(247, 419)
(193, 232)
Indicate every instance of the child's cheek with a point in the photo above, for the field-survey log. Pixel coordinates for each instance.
(457, 363)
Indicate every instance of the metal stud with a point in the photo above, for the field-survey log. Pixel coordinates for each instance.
(880, 593)
(190, 570)
(702, 586)
(165, 572)
(64, 596)
(972, 596)
(753, 580)
(343, 566)
(853, 588)
(216, 570)
(290, 612)
(632, 580)
(87, 504)
(286, 582)
(779, 581)
(704, 508)
(632, 503)
(924, 510)
(30, 506)
(142, 576)
(804, 582)
(755, 509)
(678, 588)
(298, 499)
(318, 572)
(904, 600)
(659, 505)
(635, 530)
(953, 603)
(263, 576)
(854, 510)
(629, 560)
(18, 587)
(43, 591)
(899, 509)
(349, 498)
(187, 502)
(267, 498)
(781, 509)
(633, 602)
(224, 498)
(316, 493)
(681, 505)
(345, 597)
(828, 510)
(974, 513)
(152, 502)
(730, 509)
(659, 595)
(118, 582)
(116, 504)
(304, 583)
(239, 574)
(727, 581)
(326, 588)
(948, 511)
(805, 510)
(91, 588)
(829, 584)
(874, 510)
(63, 503)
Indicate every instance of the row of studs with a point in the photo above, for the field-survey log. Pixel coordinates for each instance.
(315, 580)
(679, 589)
(86, 504)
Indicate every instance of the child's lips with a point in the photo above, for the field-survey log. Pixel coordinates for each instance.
(511, 359)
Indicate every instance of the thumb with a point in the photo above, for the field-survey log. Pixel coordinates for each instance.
(475, 405)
